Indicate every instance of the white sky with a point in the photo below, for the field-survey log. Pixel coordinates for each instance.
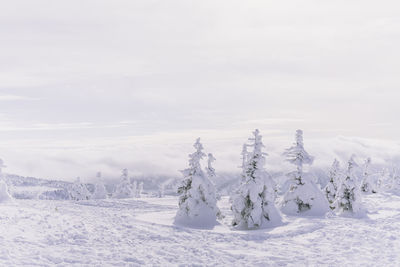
(100, 85)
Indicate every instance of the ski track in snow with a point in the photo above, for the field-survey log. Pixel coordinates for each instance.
(139, 232)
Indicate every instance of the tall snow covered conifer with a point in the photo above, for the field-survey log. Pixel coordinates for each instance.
(348, 197)
(303, 197)
(369, 182)
(139, 189)
(244, 155)
(384, 180)
(197, 201)
(211, 171)
(333, 184)
(395, 186)
(100, 191)
(124, 189)
(253, 204)
(4, 190)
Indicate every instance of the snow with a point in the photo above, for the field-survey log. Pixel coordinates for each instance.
(4, 194)
(131, 232)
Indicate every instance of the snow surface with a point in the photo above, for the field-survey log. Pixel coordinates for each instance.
(133, 232)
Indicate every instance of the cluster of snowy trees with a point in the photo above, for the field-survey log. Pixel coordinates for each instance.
(255, 204)
(124, 189)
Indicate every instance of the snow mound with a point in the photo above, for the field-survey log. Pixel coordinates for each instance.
(307, 200)
(200, 217)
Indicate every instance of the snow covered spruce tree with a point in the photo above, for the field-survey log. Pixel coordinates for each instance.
(211, 171)
(4, 190)
(244, 155)
(303, 196)
(197, 201)
(1, 167)
(253, 203)
(100, 191)
(369, 182)
(4, 194)
(161, 190)
(333, 184)
(384, 180)
(395, 186)
(79, 191)
(348, 197)
(139, 190)
(124, 188)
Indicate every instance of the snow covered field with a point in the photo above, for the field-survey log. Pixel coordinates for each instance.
(134, 232)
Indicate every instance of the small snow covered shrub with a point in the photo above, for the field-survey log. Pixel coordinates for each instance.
(197, 200)
(332, 186)
(253, 203)
(78, 191)
(348, 197)
(304, 196)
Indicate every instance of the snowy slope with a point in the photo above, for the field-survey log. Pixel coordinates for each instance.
(140, 232)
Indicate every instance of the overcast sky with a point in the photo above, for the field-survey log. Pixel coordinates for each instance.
(99, 85)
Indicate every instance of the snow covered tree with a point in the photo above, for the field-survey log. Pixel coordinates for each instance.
(4, 190)
(139, 190)
(161, 190)
(348, 197)
(1, 167)
(385, 181)
(244, 155)
(135, 186)
(124, 189)
(395, 187)
(100, 191)
(369, 182)
(304, 196)
(334, 180)
(211, 171)
(253, 204)
(197, 201)
(79, 191)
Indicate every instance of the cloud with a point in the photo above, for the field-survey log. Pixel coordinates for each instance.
(15, 98)
(138, 81)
